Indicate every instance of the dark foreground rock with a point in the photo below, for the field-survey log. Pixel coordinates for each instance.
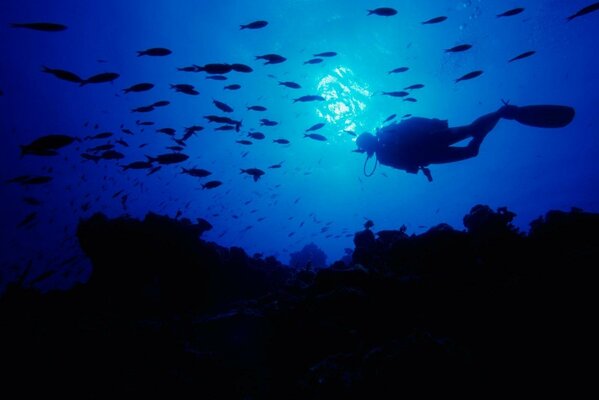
(484, 311)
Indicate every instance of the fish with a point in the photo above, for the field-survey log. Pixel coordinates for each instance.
(63, 74)
(122, 143)
(256, 108)
(281, 141)
(510, 13)
(459, 48)
(144, 123)
(586, 10)
(256, 135)
(396, 94)
(215, 68)
(291, 85)
(389, 118)
(383, 11)
(271, 58)
(191, 92)
(416, 86)
(103, 135)
(470, 75)
(112, 155)
(90, 157)
(169, 158)
(244, 142)
(254, 25)
(276, 166)
(222, 106)
(211, 184)
(196, 172)
(325, 54)
(40, 26)
(407, 116)
(156, 52)
(267, 122)
(182, 86)
(410, 99)
(232, 87)
(523, 55)
(191, 68)
(435, 20)
(221, 120)
(217, 77)
(137, 165)
(27, 220)
(154, 170)
(32, 201)
(140, 87)
(255, 173)
(168, 131)
(161, 103)
(31, 180)
(398, 70)
(241, 68)
(103, 147)
(314, 61)
(101, 78)
(351, 133)
(143, 109)
(47, 143)
(315, 136)
(315, 127)
(225, 128)
(304, 99)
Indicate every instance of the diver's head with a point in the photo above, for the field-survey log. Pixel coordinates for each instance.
(367, 143)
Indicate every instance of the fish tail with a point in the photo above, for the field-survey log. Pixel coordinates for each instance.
(140, 53)
(256, 177)
(242, 27)
(570, 18)
(150, 158)
(306, 135)
(242, 171)
(370, 12)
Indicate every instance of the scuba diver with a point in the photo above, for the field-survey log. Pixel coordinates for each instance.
(415, 143)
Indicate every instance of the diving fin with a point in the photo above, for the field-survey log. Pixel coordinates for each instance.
(544, 116)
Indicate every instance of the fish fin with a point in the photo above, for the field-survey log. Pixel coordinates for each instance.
(242, 27)
(141, 53)
(83, 83)
(150, 158)
(370, 12)
(256, 177)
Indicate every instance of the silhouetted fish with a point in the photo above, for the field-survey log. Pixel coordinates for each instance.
(512, 12)
(112, 155)
(410, 99)
(62, 74)
(169, 158)
(225, 128)
(28, 220)
(304, 99)
(435, 20)
(281, 141)
(256, 108)
(40, 26)
(211, 184)
(461, 47)
(523, 55)
(396, 94)
(143, 109)
(191, 68)
(196, 172)
(101, 78)
(398, 70)
(325, 54)
(315, 136)
(137, 165)
(244, 142)
(314, 61)
(389, 118)
(291, 85)
(254, 25)
(103, 135)
(167, 131)
(156, 51)
(232, 87)
(271, 58)
(47, 144)
(416, 86)
(267, 122)
(588, 9)
(255, 173)
(215, 69)
(140, 87)
(161, 103)
(256, 135)
(315, 127)
(383, 11)
(217, 77)
(470, 75)
(241, 68)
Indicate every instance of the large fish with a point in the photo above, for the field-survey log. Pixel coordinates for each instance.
(588, 9)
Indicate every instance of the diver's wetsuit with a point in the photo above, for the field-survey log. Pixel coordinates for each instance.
(418, 142)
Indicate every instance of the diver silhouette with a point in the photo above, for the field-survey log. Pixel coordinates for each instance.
(415, 143)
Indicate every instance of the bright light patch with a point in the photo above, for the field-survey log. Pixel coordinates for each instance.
(346, 98)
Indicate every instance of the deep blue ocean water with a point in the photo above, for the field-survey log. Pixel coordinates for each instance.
(320, 193)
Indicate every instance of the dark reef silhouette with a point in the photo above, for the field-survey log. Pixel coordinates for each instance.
(166, 312)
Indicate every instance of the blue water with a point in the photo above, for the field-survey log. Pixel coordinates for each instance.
(320, 194)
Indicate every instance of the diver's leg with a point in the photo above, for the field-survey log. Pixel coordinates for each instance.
(477, 130)
(452, 154)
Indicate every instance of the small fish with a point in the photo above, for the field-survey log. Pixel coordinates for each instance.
(232, 87)
(217, 77)
(410, 99)
(271, 58)
(211, 184)
(221, 120)
(281, 141)
(459, 48)
(407, 116)
(510, 13)
(27, 220)
(588, 9)
(255, 173)
(143, 109)
(182, 86)
(241, 68)
(225, 128)
(291, 85)
(396, 94)
(254, 25)
(103, 135)
(315, 136)
(304, 99)
(389, 118)
(325, 54)
(156, 52)
(196, 172)
(122, 143)
(523, 55)
(140, 87)
(62, 74)
(168, 131)
(267, 122)
(103, 147)
(276, 166)
(112, 155)
(222, 106)
(191, 68)
(383, 11)
(244, 142)
(314, 61)
(315, 127)
(256, 135)
(470, 75)
(351, 133)
(144, 123)
(161, 103)
(169, 158)
(416, 86)
(435, 20)
(256, 108)
(191, 92)
(90, 157)
(101, 78)
(215, 68)
(137, 165)
(398, 70)
(40, 26)
(154, 170)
